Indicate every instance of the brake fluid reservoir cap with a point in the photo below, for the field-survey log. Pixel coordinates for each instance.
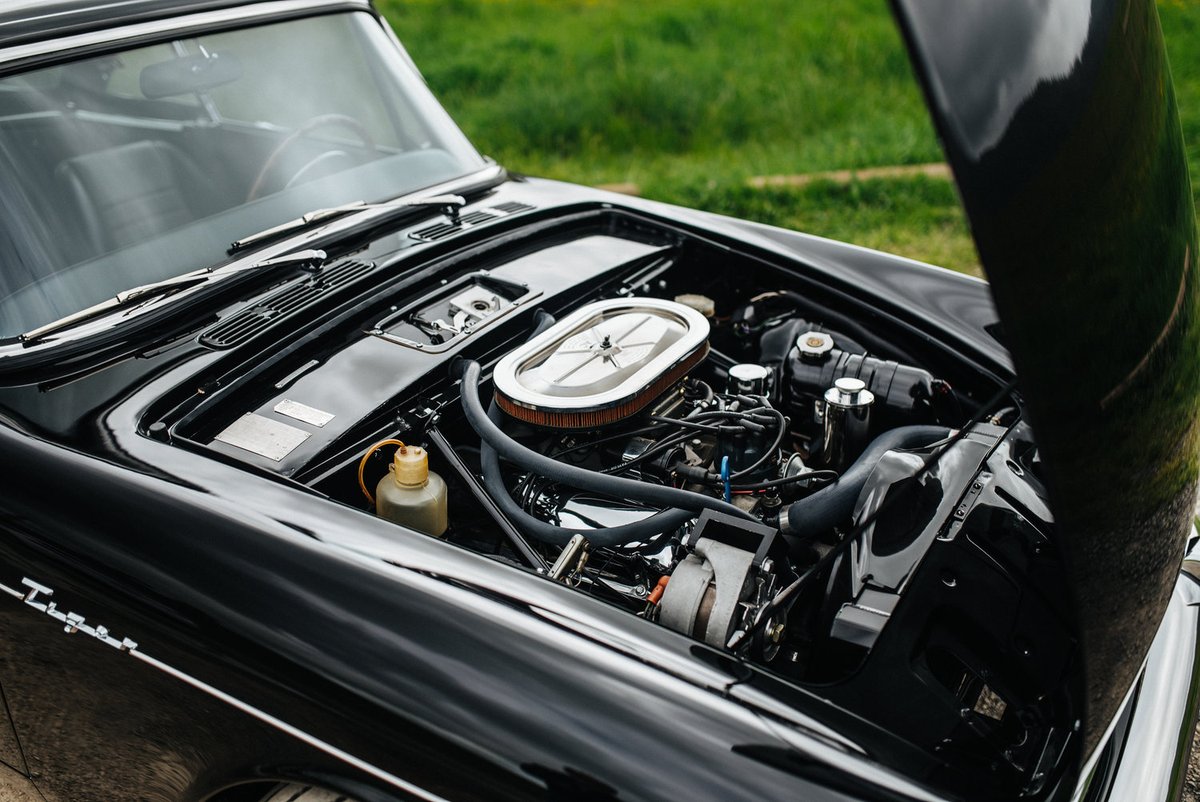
(410, 466)
(849, 392)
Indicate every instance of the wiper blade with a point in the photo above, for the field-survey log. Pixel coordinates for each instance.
(122, 299)
(143, 292)
(450, 204)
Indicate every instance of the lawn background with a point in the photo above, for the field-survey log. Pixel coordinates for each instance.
(687, 100)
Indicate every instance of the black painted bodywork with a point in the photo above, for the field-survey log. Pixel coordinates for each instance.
(449, 674)
(258, 602)
(1074, 180)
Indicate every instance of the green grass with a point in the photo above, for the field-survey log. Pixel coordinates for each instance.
(1181, 28)
(915, 217)
(687, 99)
(605, 90)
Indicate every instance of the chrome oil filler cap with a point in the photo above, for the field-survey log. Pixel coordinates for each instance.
(847, 421)
(748, 378)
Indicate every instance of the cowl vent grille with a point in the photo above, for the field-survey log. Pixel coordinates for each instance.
(442, 230)
(240, 327)
(512, 207)
(475, 218)
(435, 232)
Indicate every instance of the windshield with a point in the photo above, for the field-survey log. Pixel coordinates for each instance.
(137, 166)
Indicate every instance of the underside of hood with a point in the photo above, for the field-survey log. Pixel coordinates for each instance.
(1060, 124)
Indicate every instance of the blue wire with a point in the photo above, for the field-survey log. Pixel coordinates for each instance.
(725, 477)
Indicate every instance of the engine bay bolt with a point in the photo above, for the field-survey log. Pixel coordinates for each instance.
(775, 633)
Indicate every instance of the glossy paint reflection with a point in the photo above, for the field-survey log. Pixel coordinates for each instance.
(1072, 172)
(430, 672)
(1161, 721)
(1027, 43)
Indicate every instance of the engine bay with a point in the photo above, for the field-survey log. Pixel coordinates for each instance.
(713, 443)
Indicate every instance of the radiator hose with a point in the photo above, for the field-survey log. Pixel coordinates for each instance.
(682, 505)
(834, 504)
(646, 531)
(637, 532)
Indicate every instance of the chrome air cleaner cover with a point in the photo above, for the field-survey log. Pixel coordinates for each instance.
(602, 363)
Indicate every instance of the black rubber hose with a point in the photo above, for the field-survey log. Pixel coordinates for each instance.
(645, 531)
(834, 504)
(582, 478)
(637, 532)
(542, 320)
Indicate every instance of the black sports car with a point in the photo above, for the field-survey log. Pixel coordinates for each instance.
(339, 463)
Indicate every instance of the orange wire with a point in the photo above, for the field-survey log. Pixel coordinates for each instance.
(362, 465)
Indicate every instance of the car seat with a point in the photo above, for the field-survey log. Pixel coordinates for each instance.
(130, 193)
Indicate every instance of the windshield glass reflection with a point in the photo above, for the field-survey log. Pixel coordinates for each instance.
(132, 167)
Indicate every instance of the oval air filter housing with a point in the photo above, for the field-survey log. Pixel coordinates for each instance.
(602, 363)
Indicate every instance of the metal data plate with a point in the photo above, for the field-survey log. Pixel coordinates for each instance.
(303, 412)
(263, 436)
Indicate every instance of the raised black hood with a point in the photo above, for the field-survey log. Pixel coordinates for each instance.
(1059, 121)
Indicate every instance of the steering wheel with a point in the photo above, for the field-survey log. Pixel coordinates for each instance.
(323, 158)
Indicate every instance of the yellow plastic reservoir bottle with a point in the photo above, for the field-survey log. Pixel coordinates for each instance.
(411, 494)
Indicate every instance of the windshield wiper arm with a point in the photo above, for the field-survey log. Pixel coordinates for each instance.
(121, 299)
(450, 204)
(135, 295)
(311, 258)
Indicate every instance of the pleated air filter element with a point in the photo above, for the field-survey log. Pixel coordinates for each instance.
(603, 363)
